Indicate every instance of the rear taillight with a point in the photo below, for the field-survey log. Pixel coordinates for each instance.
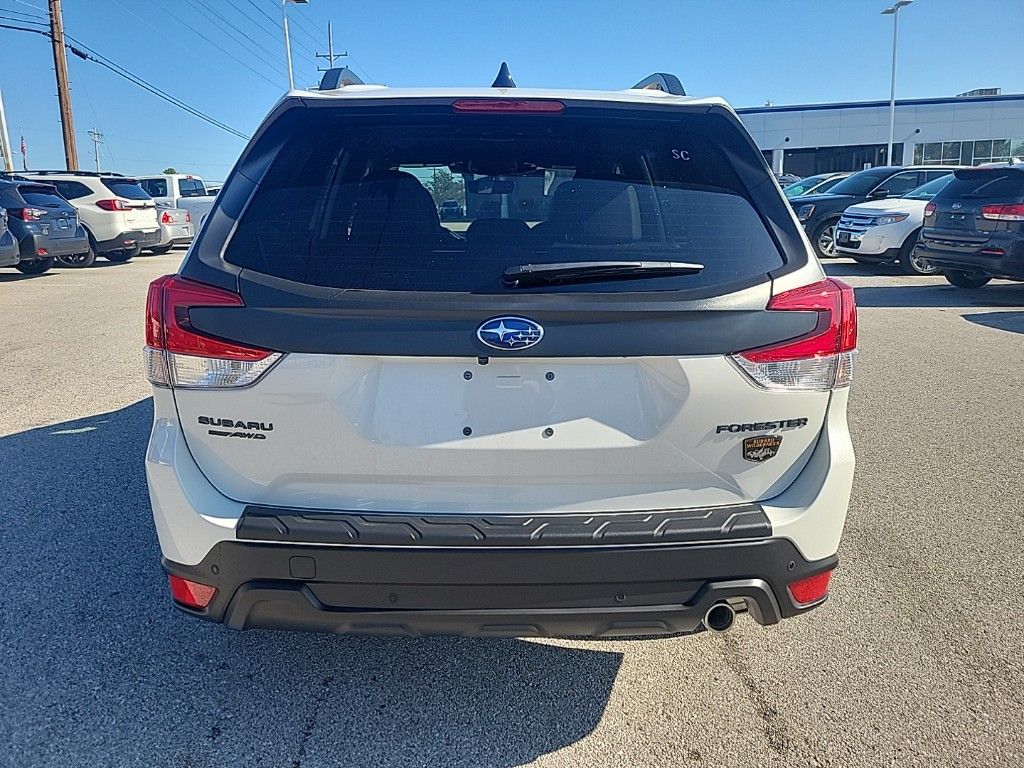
(177, 355)
(811, 590)
(818, 361)
(929, 210)
(529, 106)
(188, 217)
(113, 205)
(166, 218)
(28, 214)
(1006, 212)
(191, 594)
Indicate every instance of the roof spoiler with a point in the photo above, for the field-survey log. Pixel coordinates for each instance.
(661, 81)
(338, 78)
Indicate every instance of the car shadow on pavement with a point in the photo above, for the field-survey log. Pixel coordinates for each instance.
(1003, 321)
(101, 670)
(934, 295)
(16, 277)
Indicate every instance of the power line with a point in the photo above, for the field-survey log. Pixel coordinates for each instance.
(216, 46)
(273, 22)
(92, 55)
(117, 69)
(225, 25)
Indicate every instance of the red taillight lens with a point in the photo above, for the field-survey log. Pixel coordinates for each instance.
(929, 210)
(1007, 212)
(188, 217)
(533, 106)
(113, 205)
(179, 356)
(28, 214)
(166, 218)
(810, 590)
(822, 359)
(191, 594)
(167, 307)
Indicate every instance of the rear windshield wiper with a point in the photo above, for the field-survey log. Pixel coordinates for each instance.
(583, 271)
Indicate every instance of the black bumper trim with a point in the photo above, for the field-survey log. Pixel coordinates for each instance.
(745, 521)
(570, 591)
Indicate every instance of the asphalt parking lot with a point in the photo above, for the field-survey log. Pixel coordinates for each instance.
(916, 660)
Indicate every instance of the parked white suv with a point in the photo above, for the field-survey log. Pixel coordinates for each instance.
(609, 401)
(178, 190)
(118, 215)
(886, 231)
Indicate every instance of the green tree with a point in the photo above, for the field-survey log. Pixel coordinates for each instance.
(170, 170)
(442, 186)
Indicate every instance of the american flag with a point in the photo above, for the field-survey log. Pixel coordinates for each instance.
(24, 154)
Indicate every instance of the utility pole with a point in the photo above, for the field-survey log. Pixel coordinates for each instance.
(330, 55)
(97, 139)
(60, 65)
(5, 138)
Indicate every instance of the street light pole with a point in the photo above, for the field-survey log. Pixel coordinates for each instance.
(288, 39)
(894, 11)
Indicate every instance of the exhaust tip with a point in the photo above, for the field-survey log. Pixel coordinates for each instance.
(719, 617)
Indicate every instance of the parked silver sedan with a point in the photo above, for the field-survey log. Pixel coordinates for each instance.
(175, 229)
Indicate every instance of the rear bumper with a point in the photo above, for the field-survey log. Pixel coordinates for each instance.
(64, 246)
(1009, 265)
(605, 591)
(134, 238)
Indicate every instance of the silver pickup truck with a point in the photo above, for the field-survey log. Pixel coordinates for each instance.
(178, 190)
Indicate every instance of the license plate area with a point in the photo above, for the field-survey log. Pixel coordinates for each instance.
(509, 404)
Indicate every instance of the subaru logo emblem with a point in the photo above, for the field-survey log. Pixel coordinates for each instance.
(510, 333)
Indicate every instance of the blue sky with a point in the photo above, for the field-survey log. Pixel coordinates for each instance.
(789, 51)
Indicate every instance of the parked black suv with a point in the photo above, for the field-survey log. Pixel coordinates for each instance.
(43, 223)
(974, 228)
(819, 214)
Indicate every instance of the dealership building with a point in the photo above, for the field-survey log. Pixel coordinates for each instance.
(976, 127)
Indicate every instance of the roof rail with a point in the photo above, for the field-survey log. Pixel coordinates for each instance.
(338, 78)
(47, 172)
(504, 78)
(662, 81)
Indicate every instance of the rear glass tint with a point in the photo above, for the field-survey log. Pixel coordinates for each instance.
(126, 188)
(992, 183)
(354, 202)
(47, 199)
(191, 188)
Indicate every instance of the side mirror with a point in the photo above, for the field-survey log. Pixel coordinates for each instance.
(879, 194)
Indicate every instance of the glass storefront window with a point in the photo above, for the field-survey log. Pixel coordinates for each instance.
(967, 152)
(951, 152)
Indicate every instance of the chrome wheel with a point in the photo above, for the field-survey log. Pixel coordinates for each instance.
(827, 241)
(921, 266)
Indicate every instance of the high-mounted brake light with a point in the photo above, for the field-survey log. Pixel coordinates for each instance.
(1005, 212)
(178, 355)
(529, 106)
(818, 361)
(191, 594)
(113, 205)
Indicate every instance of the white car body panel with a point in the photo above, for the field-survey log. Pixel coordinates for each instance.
(877, 239)
(386, 434)
(198, 207)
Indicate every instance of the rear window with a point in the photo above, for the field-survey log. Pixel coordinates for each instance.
(191, 188)
(47, 199)
(126, 188)
(860, 183)
(995, 183)
(154, 187)
(353, 202)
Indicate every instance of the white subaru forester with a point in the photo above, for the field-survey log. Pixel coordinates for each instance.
(607, 400)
